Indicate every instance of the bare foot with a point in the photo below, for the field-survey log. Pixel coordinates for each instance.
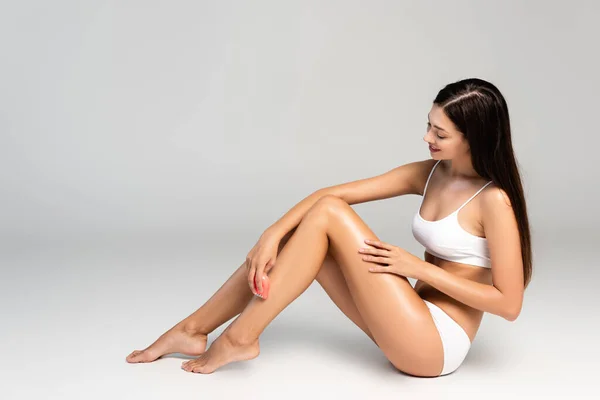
(175, 340)
(222, 351)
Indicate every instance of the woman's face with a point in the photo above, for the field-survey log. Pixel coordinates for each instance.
(443, 136)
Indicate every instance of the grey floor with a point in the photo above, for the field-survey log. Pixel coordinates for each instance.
(72, 312)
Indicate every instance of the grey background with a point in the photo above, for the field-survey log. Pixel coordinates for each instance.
(145, 145)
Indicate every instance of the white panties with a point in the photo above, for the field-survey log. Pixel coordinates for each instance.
(455, 340)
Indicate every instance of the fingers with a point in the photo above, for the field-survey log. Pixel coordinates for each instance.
(381, 269)
(381, 260)
(261, 275)
(378, 243)
(255, 267)
(251, 273)
(368, 250)
(258, 278)
(257, 273)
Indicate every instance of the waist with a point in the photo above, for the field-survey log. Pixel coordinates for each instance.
(467, 317)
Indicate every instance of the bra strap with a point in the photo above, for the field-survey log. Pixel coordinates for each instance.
(429, 177)
(471, 198)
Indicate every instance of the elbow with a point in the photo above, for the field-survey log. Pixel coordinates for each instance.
(511, 317)
(510, 306)
(512, 313)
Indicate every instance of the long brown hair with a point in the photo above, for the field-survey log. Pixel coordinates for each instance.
(479, 111)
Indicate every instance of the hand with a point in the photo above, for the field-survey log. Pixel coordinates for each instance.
(395, 259)
(259, 261)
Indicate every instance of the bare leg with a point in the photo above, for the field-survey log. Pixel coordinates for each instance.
(189, 336)
(297, 266)
(394, 312)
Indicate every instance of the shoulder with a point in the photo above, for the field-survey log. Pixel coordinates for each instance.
(496, 206)
(495, 198)
(422, 170)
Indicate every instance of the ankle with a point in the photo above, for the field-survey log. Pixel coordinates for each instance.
(194, 328)
(238, 339)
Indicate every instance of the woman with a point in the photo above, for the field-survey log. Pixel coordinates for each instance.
(476, 261)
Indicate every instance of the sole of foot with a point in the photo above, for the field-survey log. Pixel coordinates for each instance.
(176, 340)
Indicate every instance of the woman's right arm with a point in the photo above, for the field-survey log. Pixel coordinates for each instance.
(405, 179)
(398, 181)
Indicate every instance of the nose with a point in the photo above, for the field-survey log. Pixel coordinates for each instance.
(425, 138)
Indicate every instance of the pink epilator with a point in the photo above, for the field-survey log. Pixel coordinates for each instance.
(266, 286)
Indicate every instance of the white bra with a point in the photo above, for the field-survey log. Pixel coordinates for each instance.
(446, 239)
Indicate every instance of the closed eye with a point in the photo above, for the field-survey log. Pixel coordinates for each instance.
(429, 127)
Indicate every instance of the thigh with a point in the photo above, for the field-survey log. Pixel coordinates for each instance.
(396, 315)
(332, 280)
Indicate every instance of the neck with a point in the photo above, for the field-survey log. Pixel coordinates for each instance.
(460, 168)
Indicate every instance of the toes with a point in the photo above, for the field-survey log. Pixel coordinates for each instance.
(141, 356)
(133, 356)
(193, 365)
(186, 365)
(196, 368)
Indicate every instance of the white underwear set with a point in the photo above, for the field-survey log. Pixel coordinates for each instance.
(446, 239)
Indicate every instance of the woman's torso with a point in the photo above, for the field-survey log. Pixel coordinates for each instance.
(469, 219)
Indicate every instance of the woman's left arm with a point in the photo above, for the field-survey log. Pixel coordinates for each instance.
(505, 296)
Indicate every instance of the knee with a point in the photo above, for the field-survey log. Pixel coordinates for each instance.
(326, 205)
(330, 200)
